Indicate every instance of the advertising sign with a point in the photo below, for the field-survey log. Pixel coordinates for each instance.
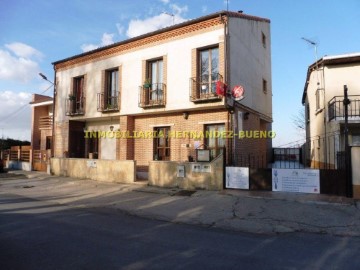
(237, 177)
(296, 180)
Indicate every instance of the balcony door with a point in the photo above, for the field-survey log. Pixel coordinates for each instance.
(209, 70)
(155, 73)
(78, 93)
(112, 88)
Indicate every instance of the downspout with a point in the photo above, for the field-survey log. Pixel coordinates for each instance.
(53, 124)
(231, 142)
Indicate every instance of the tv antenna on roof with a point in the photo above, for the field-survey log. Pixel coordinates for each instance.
(313, 43)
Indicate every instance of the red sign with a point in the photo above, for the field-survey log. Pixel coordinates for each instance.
(238, 92)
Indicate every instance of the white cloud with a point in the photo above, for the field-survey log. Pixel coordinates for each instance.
(23, 50)
(120, 29)
(138, 27)
(179, 10)
(18, 67)
(165, 1)
(106, 39)
(15, 114)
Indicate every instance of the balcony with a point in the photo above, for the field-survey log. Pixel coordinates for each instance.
(45, 122)
(75, 106)
(107, 103)
(203, 88)
(152, 96)
(336, 108)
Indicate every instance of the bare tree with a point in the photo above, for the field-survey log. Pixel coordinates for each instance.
(298, 120)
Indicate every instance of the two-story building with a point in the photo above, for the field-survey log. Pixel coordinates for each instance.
(324, 111)
(169, 82)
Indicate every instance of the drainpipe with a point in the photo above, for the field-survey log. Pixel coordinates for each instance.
(53, 124)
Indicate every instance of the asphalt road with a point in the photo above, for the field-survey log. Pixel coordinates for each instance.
(40, 235)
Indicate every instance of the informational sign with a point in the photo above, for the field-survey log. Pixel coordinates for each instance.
(203, 155)
(181, 171)
(237, 177)
(296, 180)
(91, 163)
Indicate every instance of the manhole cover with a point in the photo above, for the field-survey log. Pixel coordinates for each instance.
(184, 193)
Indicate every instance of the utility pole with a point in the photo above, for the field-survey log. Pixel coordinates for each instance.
(348, 176)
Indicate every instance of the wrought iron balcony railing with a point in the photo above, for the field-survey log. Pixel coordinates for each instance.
(203, 88)
(107, 103)
(75, 106)
(336, 108)
(152, 95)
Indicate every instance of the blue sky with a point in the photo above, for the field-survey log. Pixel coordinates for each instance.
(35, 33)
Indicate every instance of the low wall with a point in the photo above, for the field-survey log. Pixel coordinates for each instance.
(18, 165)
(355, 165)
(165, 174)
(120, 171)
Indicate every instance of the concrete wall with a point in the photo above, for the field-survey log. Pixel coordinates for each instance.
(95, 169)
(355, 164)
(164, 174)
(19, 165)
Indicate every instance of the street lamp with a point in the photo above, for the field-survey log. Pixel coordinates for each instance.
(45, 78)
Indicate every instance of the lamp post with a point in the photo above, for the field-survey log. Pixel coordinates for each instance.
(346, 102)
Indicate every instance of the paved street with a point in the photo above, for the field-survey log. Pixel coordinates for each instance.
(49, 222)
(36, 234)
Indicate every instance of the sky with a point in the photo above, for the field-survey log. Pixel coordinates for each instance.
(35, 33)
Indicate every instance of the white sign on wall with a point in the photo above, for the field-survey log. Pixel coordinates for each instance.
(296, 180)
(237, 177)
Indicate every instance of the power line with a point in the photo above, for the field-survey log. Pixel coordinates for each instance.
(6, 118)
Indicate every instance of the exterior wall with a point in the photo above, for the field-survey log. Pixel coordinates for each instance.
(37, 112)
(164, 174)
(143, 148)
(178, 54)
(250, 63)
(100, 170)
(250, 147)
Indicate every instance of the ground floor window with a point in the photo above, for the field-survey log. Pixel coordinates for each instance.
(162, 143)
(214, 143)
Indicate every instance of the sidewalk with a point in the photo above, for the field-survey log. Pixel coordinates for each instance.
(247, 211)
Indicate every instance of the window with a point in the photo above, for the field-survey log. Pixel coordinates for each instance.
(318, 99)
(307, 113)
(264, 86)
(48, 142)
(111, 89)
(155, 74)
(208, 70)
(263, 39)
(162, 143)
(214, 143)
